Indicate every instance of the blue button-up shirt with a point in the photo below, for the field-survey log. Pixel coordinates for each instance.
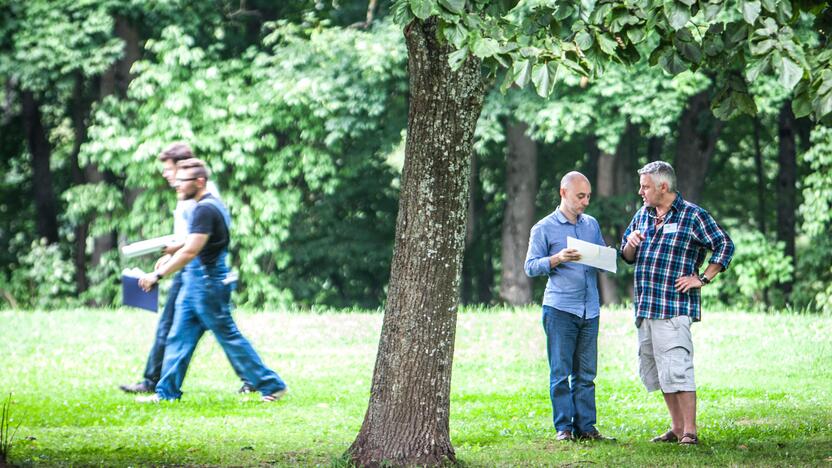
(572, 287)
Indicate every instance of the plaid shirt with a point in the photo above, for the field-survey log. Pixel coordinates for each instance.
(676, 249)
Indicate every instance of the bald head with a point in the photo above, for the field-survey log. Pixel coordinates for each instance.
(570, 178)
(575, 193)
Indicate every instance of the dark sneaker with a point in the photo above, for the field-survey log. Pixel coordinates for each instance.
(564, 436)
(140, 387)
(246, 388)
(594, 435)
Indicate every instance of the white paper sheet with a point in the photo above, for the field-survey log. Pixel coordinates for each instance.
(147, 246)
(594, 255)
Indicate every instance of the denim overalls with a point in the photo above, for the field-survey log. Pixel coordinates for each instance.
(205, 303)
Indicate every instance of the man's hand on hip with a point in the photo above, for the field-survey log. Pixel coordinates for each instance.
(686, 283)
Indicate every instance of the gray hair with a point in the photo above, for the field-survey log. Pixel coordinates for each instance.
(660, 171)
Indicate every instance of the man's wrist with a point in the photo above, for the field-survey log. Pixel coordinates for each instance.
(158, 275)
(703, 279)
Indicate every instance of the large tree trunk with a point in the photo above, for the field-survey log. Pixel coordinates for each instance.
(115, 81)
(44, 192)
(605, 189)
(786, 189)
(407, 418)
(469, 284)
(761, 179)
(518, 217)
(698, 133)
(79, 111)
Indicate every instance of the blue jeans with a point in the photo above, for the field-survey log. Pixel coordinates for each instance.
(205, 304)
(153, 369)
(572, 347)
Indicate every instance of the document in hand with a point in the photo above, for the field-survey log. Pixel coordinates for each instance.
(145, 247)
(594, 255)
(135, 296)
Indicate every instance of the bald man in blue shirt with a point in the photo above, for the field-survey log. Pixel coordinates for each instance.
(571, 308)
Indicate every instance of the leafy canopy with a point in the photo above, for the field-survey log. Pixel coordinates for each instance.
(542, 41)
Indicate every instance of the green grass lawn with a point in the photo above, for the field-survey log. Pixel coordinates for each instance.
(765, 392)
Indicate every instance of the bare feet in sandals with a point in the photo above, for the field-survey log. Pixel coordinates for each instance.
(668, 436)
(689, 438)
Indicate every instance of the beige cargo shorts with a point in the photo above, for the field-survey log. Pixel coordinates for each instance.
(665, 354)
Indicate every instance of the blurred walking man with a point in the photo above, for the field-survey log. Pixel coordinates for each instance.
(205, 301)
(153, 369)
(571, 308)
(667, 240)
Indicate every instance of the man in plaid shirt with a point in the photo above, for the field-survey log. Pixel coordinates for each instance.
(667, 240)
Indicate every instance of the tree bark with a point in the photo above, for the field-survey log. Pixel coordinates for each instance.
(518, 217)
(42, 184)
(605, 189)
(469, 286)
(79, 111)
(406, 422)
(761, 179)
(699, 132)
(655, 147)
(786, 186)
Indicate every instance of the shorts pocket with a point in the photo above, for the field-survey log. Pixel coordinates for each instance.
(677, 365)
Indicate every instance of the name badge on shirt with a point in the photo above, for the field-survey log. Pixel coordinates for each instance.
(670, 228)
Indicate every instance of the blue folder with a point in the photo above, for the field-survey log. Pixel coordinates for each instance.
(135, 296)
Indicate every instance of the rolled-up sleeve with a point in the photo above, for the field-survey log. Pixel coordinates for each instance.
(711, 235)
(537, 257)
(624, 237)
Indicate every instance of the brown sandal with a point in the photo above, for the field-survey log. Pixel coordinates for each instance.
(689, 439)
(668, 436)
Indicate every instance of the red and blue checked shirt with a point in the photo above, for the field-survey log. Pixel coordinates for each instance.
(677, 249)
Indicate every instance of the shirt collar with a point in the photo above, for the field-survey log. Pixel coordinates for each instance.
(676, 206)
(563, 219)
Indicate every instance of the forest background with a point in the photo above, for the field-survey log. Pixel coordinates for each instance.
(300, 109)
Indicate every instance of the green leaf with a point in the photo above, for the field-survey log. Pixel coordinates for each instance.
(584, 40)
(455, 34)
(622, 19)
(784, 10)
(713, 45)
(712, 10)
(677, 14)
(757, 67)
(672, 63)
(762, 47)
(422, 9)
(522, 72)
(454, 6)
(457, 58)
(486, 47)
(750, 11)
(688, 2)
(790, 73)
(690, 50)
(802, 102)
(606, 44)
(770, 5)
(541, 79)
(563, 11)
(635, 35)
(735, 33)
(822, 106)
(508, 80)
